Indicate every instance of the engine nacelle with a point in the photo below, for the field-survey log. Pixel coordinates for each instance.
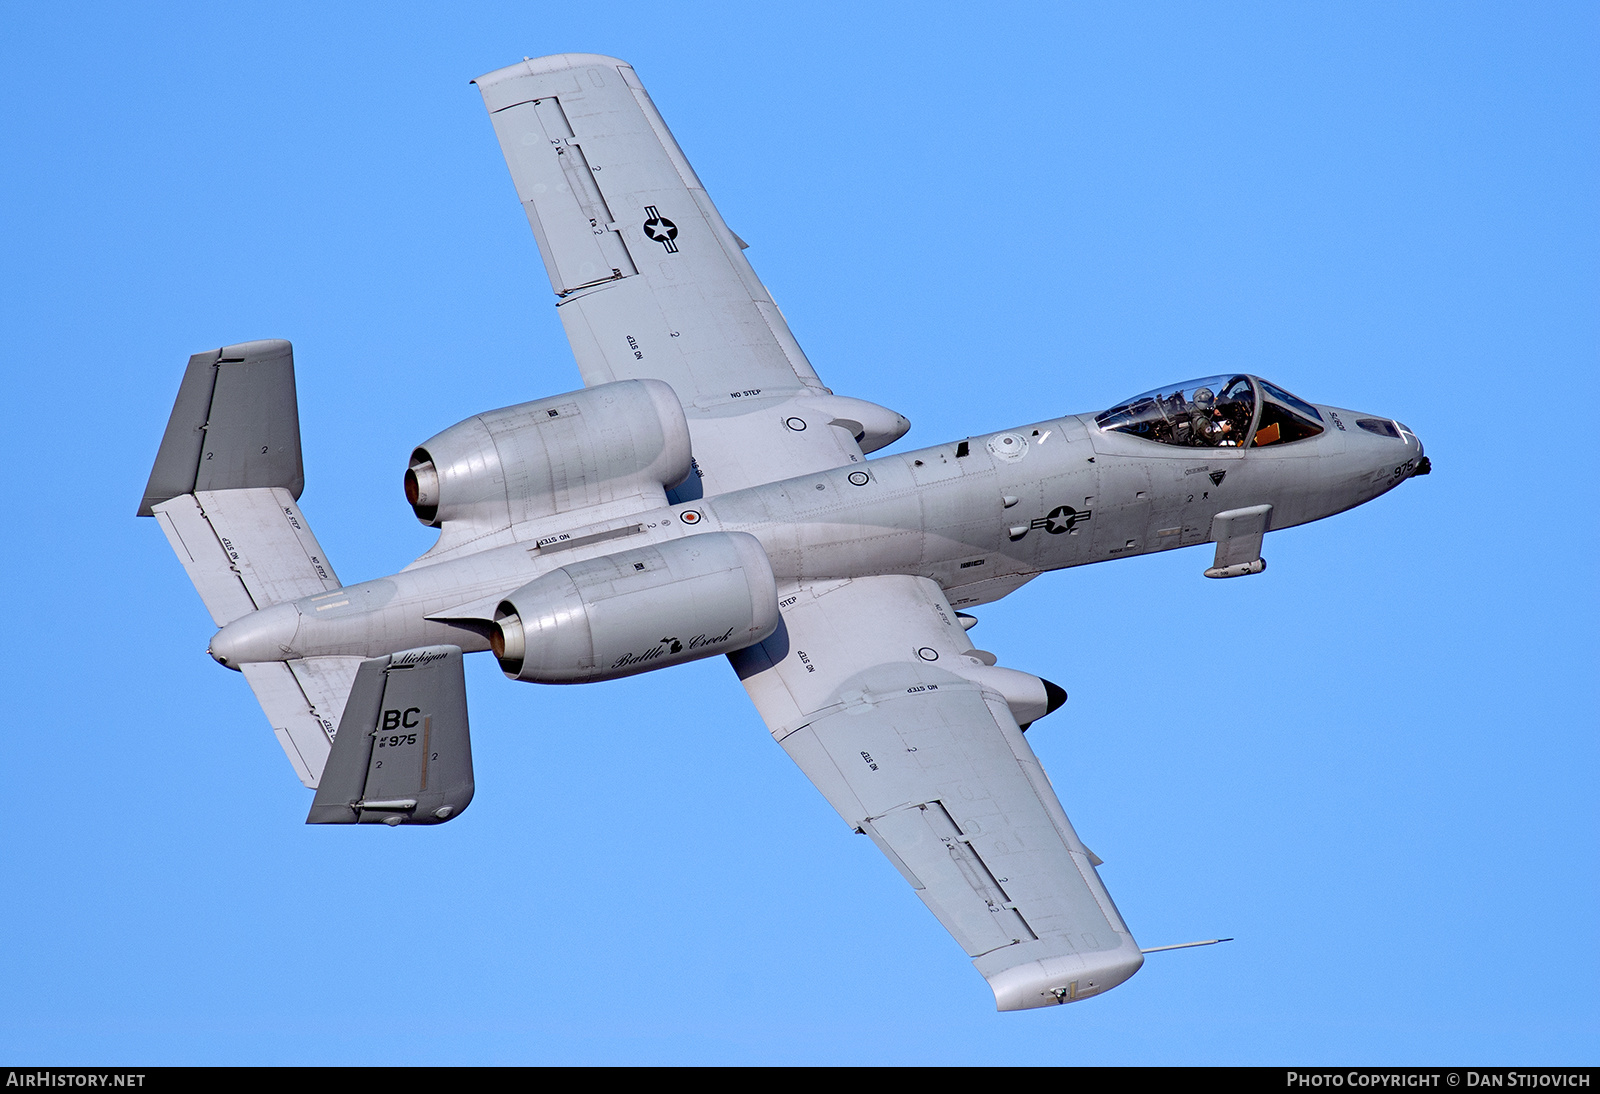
(603, 444)
(638, 610)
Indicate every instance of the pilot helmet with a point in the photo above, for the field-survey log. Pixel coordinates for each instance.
(1203, 398)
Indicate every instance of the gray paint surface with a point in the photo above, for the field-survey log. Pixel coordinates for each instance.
(403, 754)
(235, 425)
(840, 574)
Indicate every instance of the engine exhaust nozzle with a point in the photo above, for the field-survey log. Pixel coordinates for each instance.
(422, 487)
(508, 641)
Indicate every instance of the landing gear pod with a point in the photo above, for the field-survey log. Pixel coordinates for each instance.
(1238, 533)
(402, 755)
(1029, 697)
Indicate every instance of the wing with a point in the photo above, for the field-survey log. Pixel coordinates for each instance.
(872, 687)
(652, 284)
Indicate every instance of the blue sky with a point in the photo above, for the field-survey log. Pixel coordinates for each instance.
(1374, 765)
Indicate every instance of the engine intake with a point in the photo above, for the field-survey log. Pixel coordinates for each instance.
(638, 610)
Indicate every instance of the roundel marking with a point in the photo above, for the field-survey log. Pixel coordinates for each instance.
(689, 516)
(661, 230)
(859, 478)
(1060, 519)
(928, 653)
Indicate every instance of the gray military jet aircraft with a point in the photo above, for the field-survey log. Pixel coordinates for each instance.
(705, 494)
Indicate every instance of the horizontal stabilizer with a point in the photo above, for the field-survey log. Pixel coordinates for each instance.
(302, 700)
(245, 549)
(226, 480)
(223, 490)
(235, 425)
(403, 754)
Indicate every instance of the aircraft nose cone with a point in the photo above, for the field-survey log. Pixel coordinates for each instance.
(266, 635)
(1414, 443)
(1372, 441)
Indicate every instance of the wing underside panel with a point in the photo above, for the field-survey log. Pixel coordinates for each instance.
(651, 282)
(611, 199)
(933, 768)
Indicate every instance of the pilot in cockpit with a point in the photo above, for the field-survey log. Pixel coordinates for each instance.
(1205, 430)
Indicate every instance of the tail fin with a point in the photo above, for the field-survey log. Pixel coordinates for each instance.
(235, 425)
(223, 489)
(404, 755)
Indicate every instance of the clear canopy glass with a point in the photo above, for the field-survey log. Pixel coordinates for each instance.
(1216, 412)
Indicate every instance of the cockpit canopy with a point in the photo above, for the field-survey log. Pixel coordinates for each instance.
(1216, 412)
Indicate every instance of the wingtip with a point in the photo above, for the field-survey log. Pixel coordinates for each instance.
(1052, 981)
(556, 62)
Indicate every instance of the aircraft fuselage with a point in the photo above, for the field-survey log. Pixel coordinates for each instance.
(981, 517)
